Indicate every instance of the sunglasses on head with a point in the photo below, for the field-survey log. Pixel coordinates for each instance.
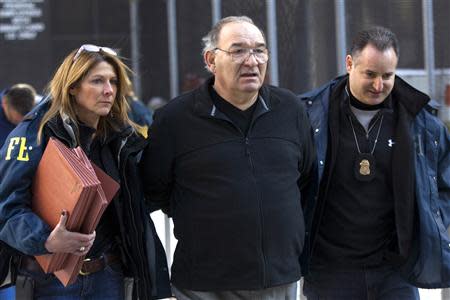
(93, 48)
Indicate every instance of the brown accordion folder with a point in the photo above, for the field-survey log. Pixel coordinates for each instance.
(66, 180)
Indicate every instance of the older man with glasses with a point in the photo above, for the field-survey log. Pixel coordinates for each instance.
(232, 162)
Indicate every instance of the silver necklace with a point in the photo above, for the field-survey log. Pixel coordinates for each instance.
(365, 162)
(367, 134)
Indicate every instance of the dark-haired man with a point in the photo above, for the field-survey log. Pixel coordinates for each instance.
(16, 102)
(380, 223)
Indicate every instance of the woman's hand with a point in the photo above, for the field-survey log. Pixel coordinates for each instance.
(62, 240)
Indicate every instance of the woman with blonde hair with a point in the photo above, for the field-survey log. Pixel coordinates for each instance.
(86, 107)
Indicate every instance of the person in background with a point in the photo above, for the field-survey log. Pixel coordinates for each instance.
(86, 107)
(232, 162)
(379, 228)
(15, 102)
(138, 113)
(191, 81)
(155, 103)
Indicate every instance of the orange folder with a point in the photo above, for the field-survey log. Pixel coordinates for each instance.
(66, 180)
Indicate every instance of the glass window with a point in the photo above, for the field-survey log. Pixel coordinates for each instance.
(306, 44)
(193, 22)
(442, 33)
(403, 17)
(154, 56)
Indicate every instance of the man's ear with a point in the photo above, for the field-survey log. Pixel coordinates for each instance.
(210, 60)
(348, 63)
(4, 103)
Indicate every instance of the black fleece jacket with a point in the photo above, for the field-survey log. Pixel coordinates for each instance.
(235, 198)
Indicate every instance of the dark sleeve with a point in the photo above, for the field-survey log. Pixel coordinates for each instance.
(156, 166)
(443, 173)
(139, 113)
(308, 181)
(20, 227)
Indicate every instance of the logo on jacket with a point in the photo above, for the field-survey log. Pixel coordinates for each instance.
(391, 143)
(21, 143)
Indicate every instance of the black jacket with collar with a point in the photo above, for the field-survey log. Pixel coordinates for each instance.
(235, 199)
(142, 251)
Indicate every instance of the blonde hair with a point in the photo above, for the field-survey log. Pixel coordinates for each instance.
(70, 74)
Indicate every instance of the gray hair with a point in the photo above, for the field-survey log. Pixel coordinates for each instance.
(211, 39)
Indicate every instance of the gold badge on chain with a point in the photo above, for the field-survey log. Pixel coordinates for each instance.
(364, 167)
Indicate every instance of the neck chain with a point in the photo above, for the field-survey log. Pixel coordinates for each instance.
(371, 126)
(367, 134)
(350, 105)
(365, 164)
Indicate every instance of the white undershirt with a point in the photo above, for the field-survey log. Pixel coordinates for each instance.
(364, 116)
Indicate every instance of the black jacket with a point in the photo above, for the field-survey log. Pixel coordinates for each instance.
(235, 199)
(142, 252)
(426, 147)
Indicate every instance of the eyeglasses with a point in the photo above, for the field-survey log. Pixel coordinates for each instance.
(93, 48)
(239, 55)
